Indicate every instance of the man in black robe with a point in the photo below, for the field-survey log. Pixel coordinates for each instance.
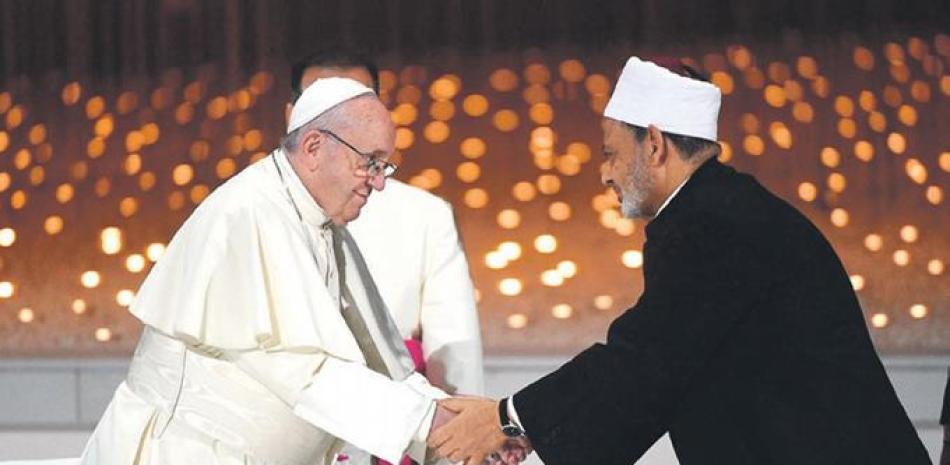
(748, 344)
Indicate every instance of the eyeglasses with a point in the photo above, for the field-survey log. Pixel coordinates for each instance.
(374, 166)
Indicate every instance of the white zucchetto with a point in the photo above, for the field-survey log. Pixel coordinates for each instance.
(321, 96)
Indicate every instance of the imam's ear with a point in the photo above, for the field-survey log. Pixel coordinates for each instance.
(656, 146)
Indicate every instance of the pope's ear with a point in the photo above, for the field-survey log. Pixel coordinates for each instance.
(656, 146)
(309, 148)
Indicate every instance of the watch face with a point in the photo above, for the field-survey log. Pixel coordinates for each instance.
(511, 431)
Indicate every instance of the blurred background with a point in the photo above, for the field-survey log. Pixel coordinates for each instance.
(117, 118)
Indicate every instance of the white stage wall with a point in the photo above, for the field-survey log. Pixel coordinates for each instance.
(49, 407)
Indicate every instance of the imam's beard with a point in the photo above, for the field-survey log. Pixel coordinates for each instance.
(634, 190)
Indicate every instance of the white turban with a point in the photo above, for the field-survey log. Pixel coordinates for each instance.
(321, 96)
(649, 94)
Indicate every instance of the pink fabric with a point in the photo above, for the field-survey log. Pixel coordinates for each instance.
(415, 349)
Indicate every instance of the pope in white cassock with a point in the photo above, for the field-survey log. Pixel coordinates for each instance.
(265, 339)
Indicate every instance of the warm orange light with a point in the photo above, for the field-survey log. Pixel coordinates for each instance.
(549, 184)
(935, 267)
(880, 320)
(442, 110)
(934, 195)
(517, 321)
(7, 237)
(874, 242)
(71, 94)
(541, 113)
(753, 145)
(510, 250)
(545, 243)
(807, 191)
(436, 132)
(907, 115)
(103, 334)
(597, 85)
(155, 251)
(916, 170)
(775, 96)
(837, 182)
(444, 88)
(863, 150)
(182, 174)
(559, 211)
(603, 302)
(780, 135)
(510, 287)
(723, 81)
(90, 279)
(562, 311)
(495, 260)
(839, 217)
(26, 315)
(567, 268)
(472, 148)
(475, 105)
(918, 311)
(53, 225)
(847, 128)
(135, 263)
(863, 58)
(803, 112)
(909, 233)
(79, 306)
(524, 191)
(404, 138)
(468, 172)
(857, 282)
(632, 259)
(901, 257)
(7, 289)
(476, 198)
(505, 120)
(509, 218)
(877, 121)
(552, 278)
(503, 80)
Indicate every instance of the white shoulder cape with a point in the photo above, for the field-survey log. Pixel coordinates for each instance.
(238, 275)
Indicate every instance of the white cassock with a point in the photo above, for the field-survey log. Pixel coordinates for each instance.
(409, 240)
(246, 357)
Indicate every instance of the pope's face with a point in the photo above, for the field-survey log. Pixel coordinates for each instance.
(626, 171)
(344, 184)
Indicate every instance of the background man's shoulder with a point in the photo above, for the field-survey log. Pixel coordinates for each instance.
(403, 199)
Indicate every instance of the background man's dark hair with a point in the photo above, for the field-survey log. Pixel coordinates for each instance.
(331, 58)
(689, 147)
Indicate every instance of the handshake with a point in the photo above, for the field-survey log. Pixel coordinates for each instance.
(468, 429)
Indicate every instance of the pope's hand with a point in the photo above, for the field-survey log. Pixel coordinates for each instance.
(473, 434)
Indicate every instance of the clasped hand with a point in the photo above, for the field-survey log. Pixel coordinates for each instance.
(468, 429)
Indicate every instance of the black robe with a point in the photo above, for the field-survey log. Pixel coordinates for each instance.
(748, 346)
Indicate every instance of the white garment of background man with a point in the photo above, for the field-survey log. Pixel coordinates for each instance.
(246, 357)
(409, 240)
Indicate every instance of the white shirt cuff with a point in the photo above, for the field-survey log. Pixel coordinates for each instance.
(513, 414)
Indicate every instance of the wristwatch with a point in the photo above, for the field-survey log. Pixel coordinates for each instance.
(508, 427)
